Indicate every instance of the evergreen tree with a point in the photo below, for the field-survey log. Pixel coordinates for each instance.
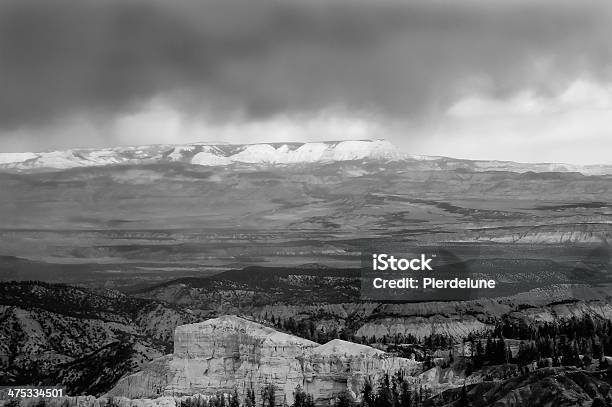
(234, 401)
(301, 398)
(268, 396)
(343, 400)
(367, 393)
(249, 401)
(384, 395)
(405, 399)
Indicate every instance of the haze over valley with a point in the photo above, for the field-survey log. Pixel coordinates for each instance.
(156, 218)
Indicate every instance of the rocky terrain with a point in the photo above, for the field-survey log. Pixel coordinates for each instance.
(328, 299)
(231, 352)
(45, 337)
(110, 342)
(546, 387)
(86, 340)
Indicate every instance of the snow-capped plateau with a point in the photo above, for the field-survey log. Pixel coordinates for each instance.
(269, 154)
(205, 154)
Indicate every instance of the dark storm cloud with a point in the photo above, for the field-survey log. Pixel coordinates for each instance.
(263, 57)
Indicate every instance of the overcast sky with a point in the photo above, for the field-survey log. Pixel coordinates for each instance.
(517, 80)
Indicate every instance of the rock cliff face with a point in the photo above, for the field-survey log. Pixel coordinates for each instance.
(231, 352)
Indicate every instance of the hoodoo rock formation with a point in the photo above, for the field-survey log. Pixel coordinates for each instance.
(230, 352)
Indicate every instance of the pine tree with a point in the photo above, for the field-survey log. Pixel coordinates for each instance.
(367, 393)
(405, 399)
(343, 400)
(268, 396)
(249, 401)
(384, 396)
(234, 401)
(301, 398)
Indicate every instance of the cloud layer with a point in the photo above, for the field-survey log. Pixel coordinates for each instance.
(240, 62)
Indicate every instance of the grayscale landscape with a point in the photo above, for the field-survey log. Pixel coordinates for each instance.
(106, 264)
(305, 203)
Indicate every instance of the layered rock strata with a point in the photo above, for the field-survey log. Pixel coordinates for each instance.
(229, 352)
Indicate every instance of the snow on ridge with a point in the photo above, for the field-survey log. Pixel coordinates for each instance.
(205, 154)
(257, 153)
(266, 153)
(179, 151)
(57, 159)
(223, 154)
(308, 153)
(356, 150)
(11, 158)
(211, 159)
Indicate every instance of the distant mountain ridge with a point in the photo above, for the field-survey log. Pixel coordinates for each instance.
(205, 154)
(268, 154)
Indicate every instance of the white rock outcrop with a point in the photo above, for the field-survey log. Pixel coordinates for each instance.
(229, 352)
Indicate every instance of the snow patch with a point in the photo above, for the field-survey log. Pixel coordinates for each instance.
(178, 152)
(10, 158)
(358, 150)
(210, 159)
(257, 153)
(59, 159)
(314, 152)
